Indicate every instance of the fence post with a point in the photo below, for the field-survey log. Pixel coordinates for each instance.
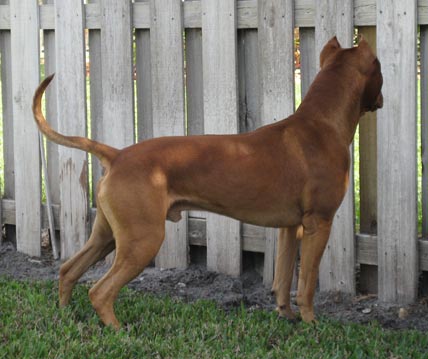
(276, 53)
(397, 208)
(71, 92)
(337, 270)
(24, 22)
(219, 48)
(166, 46)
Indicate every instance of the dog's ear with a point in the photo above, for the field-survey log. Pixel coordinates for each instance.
(329, 49)
(363, 45)
(366, 55)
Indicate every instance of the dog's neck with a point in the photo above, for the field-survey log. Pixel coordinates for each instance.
(335, 100)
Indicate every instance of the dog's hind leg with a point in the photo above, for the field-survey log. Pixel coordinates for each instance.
(100, 244)
(136, 246)
(287, 248)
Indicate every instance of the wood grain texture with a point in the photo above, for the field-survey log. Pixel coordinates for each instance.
(71, 95)
(117, 71)
(25, 78)
(337, 270)
(144, 83)
(166, 39)
(397, 209)
(219, 48)
(424, 127)
(364, 14)
(276, 61)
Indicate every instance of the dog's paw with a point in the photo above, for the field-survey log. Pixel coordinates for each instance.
(286, 313)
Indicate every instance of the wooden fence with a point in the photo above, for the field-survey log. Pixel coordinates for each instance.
(207, 66)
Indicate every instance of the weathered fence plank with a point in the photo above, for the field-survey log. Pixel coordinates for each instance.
(71, 86)
(166, 39)
(6, 83)
(337, 270)
(368, 178)
(424, 127)
(25, 78)
(144, 84)
(219, 47)
(117, 73)
(364, 14)
(397, 210)
(276, 51)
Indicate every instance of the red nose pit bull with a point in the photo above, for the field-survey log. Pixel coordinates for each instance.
(291, 175)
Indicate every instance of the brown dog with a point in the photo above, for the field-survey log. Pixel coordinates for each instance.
(298, 168)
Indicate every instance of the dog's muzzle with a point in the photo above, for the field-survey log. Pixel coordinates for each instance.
(379, 102)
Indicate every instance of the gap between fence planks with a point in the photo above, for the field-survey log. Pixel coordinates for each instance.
(368, 178)
(6, 83)
(424, 127)
(194, 90)
(96, 103)
(144, 83)
(52, 152)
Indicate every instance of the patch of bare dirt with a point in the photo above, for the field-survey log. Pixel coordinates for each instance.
(197, 283)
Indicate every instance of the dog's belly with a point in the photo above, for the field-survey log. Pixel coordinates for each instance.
(284, 216)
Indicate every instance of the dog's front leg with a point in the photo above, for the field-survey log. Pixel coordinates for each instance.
(287, 248)
(315, 237)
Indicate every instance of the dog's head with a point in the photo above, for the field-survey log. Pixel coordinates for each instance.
(370, 68)
(368, 65)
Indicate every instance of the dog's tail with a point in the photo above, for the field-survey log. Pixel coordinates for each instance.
(105, 154)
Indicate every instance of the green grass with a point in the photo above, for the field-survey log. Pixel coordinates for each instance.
(32, 326)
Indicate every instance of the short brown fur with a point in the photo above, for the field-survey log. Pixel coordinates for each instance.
(292, 175)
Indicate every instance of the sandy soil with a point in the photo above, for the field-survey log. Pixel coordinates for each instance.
(198, 283)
